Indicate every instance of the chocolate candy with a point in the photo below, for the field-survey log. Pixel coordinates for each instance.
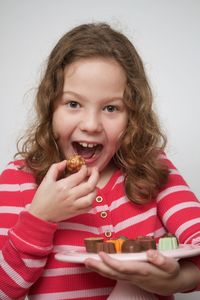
(75, 163)
(106, 247)
(131, 246)
(91, 244)
(147, 242)
(139, 244)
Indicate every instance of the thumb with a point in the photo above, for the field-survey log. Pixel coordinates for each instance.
(55, 171)
(167, 264)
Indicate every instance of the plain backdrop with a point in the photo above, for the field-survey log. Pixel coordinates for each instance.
(167, 36)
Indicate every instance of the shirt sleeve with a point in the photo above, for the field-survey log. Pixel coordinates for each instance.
(179, 210)
(25, 240)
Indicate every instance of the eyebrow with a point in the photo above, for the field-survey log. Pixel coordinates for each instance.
(81, 97)
(72, 93)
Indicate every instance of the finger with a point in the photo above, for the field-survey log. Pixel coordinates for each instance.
(85, 203)
(105, 270)
(55, 171)
(127, 267)
(101, 268)
(74, 179)
(167, 264)
(93, 178)
(83, 188)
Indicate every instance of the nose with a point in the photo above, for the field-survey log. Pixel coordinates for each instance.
(91, 122)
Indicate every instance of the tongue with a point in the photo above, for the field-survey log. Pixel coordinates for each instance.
(85, 152)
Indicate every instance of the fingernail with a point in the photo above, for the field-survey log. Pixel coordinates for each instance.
(152, 254)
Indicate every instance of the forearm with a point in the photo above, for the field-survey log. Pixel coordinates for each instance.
(180, 276)
(24, 255)
(186, 281)
(189, 277)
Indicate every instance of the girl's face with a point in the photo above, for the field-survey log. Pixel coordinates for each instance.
(91, 116)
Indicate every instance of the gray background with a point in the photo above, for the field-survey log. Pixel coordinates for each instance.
(166, 34)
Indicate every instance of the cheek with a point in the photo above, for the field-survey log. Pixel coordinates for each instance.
(58, 127)
(116, 132)
(55, 128)
(115, 140)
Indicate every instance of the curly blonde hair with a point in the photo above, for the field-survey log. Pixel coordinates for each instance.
(142, 142)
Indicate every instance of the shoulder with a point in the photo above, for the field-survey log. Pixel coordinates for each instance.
(174, 174)
(16, 172)
(176, 186)
(165, 160)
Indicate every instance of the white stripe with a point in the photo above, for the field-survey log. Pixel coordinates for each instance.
(65, 271)
(78, 227)
(13, 274)
(17, 187)
(32, 245)
(12, 166)
(194, 236)
(117, 203)
(173, 189)
(98, 209)
(4, 231)
(33, 263)
(159, 232)
(62, 248)
(10, 209)
(3, 296)
(174, 172)
(134, 220)
(186, 225)
(196, 241)
(85, 228)
(177, 208)
(120, 226)
(78, 294)
(118, 181)
(81, 227)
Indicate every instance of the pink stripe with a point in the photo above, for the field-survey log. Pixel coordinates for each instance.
(10, 209)
(171, 190)
(16, 277)
(32, 245)
(78, 294)
(17, 187)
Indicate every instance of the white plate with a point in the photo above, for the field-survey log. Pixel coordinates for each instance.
(79, 256)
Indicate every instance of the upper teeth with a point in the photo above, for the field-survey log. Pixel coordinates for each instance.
(87, 145)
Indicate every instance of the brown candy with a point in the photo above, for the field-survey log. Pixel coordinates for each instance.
(91, 244)
(131, 246)
(120, 245)
(147, 242)
(139, 244)
(75, 163)
(106, 247)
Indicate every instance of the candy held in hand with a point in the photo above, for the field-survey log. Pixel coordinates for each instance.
(74, 163)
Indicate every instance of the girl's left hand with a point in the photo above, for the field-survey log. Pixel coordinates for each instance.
(159, 275)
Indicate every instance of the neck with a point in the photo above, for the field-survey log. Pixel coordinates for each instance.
(106, 174)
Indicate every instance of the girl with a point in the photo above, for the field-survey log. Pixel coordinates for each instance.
(94, 100)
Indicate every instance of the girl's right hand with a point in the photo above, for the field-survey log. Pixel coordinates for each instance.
(59, 199)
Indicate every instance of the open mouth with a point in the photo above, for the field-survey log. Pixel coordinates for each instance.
(86, 150)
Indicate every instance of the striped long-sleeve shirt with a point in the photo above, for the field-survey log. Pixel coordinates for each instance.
(28, 244)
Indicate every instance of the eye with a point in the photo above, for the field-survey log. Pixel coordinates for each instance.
(73, 104)
(111, 108)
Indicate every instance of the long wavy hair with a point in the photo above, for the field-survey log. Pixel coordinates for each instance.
(142, 142)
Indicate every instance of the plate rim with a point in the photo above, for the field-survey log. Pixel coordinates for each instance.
(76, 256)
